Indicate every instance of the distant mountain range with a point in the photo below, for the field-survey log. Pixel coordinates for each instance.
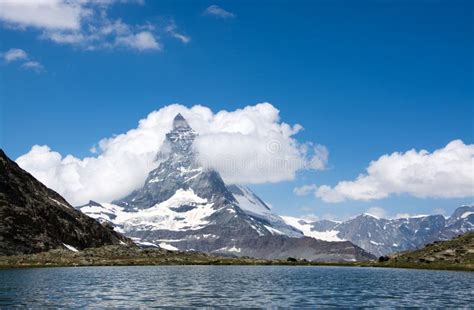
(34, 218)
(382, 236)
(184, 206)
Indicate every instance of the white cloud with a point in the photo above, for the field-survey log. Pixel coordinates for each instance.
(216, 10)
(249, 145)
(320, 157)
(84, 23)
(140, 41)
(377, 212)
(444, 173)
(33, 66)
(15, 54)
(172, 30)
(305, 189)
(45, 14)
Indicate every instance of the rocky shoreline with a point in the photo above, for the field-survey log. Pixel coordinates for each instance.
(456, 254)
(118, 255)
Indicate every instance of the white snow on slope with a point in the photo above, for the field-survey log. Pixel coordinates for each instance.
(249, 203)
(144, 243)
(375, 243)
(164, 215)
(228, 249)
(253, 206)
(59, 203)
(167, 246)
(70, 247)
(466, 214)
(102, 213)
(161, 216)
(305, 228)
(234, 249)
(371, 215)
(273, 230)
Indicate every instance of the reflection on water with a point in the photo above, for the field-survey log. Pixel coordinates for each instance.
(243, 286)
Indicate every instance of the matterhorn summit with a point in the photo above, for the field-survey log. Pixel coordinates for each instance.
(185, 206)
(179, 170)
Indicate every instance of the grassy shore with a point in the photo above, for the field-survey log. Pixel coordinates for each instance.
(131, 256)
(456, 254)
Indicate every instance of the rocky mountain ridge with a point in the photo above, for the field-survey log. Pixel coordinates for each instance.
(34, 218)
(381, 236)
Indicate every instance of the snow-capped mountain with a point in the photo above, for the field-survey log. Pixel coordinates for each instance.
(382, 236)
(184, 206)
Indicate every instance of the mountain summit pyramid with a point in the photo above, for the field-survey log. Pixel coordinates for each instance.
(179, 170)
(185, 206)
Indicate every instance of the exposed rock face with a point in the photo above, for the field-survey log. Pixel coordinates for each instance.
(382, 236)
(34, 218)
(461, 221)
(185, 206)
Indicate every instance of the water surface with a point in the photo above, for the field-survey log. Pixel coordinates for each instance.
(243, 286)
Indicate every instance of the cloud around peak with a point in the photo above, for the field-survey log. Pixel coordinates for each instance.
(249, 145)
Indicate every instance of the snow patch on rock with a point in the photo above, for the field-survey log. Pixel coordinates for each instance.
(306, 229)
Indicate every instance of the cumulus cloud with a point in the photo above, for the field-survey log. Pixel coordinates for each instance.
(33, 66)
(445, 173)
(19, 55)
(217, 11)
(249, 145)
(84, 24)
(48, 14)
(141, 41)
(15, 54)
(305, 189)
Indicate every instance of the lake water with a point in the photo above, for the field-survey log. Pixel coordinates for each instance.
(243, 286)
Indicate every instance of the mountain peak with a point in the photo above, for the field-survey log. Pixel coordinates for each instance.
(180, 122)
(181, 137)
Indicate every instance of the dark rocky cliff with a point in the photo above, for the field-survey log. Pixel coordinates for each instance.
(34, 218)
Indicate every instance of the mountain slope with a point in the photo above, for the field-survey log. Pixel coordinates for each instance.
(382, 236)
(457, 253)
(185, 206)
(34, 218)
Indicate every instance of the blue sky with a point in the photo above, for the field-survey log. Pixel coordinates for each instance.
(364, 79)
